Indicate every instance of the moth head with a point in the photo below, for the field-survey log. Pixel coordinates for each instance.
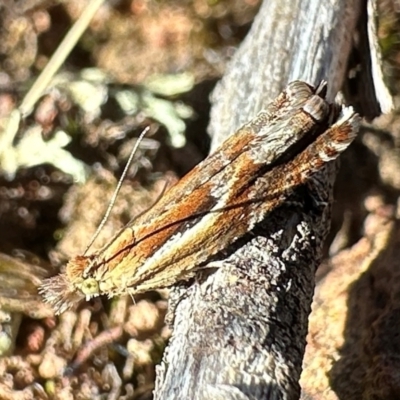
(67, 289)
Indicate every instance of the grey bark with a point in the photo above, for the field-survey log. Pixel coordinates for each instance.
(239, 332)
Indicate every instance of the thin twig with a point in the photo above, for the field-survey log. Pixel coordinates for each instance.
(59, 57)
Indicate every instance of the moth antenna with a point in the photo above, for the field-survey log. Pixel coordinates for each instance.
(164, 189)
(116, 191)
(138, 215)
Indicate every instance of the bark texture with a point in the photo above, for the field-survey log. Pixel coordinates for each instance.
(239, 332)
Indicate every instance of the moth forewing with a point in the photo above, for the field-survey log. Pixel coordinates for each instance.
(246, 178)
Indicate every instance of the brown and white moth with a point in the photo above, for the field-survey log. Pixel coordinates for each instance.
(221, 199)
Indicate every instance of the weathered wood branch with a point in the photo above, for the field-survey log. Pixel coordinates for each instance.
(239, 333)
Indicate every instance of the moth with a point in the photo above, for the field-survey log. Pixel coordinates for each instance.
(251, 174)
